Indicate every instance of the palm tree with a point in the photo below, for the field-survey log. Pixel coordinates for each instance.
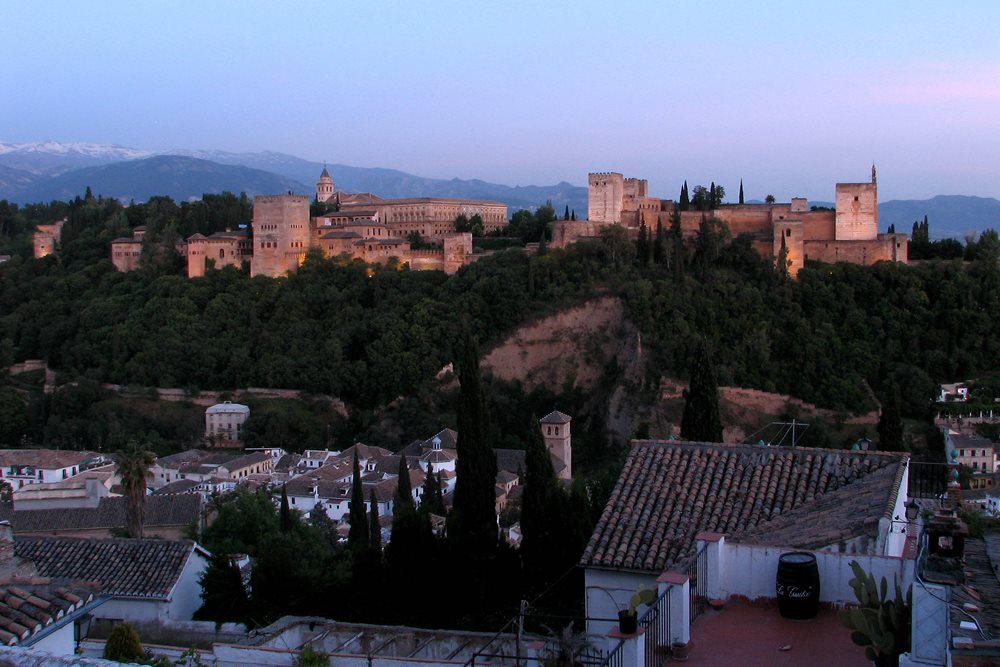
(133, 464)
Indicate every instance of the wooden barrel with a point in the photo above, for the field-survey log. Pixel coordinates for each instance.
(798, 585)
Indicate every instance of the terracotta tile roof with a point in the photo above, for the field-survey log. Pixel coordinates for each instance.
(981, 588)
(161, 510)
(29, 606)
(47, 459)
(180, 486)
(180, 458)
(670, 491)
(123, 567)
(556, 417)
(511, 460)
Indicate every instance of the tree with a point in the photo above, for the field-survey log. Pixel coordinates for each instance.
(684, 203)
(566, 213)
(224, 598)
(404, 490)
(358, 537)
(890, 423)
(374, 527)
(132, 467)
(432, 500)
(677, 246)
(542, 500)
(659, 244)
(701, 421)
(741, 191)
(769, 199)
(285, 515)
(123, 643)
(472, 522)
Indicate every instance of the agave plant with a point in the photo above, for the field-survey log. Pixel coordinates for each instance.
(880, 624)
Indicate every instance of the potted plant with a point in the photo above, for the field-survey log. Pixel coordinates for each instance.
(881, 624)
(628, 619)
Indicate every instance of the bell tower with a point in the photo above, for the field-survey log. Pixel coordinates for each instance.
(324, 187)
(555, 432)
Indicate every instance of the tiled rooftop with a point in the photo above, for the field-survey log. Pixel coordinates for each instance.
(48, 459)
(669, 491)
(982, 589)
(27, 607)
(161, 510)
(123, 567)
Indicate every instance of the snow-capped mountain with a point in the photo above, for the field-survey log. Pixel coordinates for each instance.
(51, 158)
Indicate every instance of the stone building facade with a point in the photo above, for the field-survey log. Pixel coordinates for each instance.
(363, 226)
(46, 238)
(849, 233)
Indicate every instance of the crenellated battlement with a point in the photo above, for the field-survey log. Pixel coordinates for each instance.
(264, 199)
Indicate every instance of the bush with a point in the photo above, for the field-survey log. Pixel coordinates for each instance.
(123, 644)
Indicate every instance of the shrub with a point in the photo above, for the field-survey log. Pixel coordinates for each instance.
(123, 644)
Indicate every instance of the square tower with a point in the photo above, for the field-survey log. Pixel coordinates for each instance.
(280, 234)
(555, 432)
(605, 193)
(857, 211)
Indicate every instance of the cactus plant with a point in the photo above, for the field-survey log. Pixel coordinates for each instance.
(880, 624)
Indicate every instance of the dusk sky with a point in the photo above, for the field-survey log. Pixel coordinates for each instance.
(791, 97)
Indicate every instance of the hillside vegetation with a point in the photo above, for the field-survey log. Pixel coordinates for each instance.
(833, 337)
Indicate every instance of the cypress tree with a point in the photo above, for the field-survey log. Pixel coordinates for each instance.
(404, 491)
(566, 213)
(374, 527)
(539, 504)
(472, 522)
(711, 195)
(285, 515)
(659, 244)
(357, 538)
(685, 201)
(677, 246)
(890, 423)
(701, 421)
(432, 500)
(741, 190)
(572, 215)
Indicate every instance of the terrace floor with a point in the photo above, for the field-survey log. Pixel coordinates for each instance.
(746, 635)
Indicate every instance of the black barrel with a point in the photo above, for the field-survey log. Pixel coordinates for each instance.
(798, 585)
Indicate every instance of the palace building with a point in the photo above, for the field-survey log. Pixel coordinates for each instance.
(848, 233)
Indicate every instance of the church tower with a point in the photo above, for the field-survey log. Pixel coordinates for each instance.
(555, 432)
(324, 187)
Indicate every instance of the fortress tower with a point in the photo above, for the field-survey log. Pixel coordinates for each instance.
(857, 211)
(324, 187)
(280, 234)
(605, 193)
(555, 431)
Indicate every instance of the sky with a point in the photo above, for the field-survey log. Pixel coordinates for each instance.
(790, 97)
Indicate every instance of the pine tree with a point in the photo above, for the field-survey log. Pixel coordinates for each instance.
(472, 522)
(701, 421)
(741, 190)
(357, 538)
(285, 514)
(374, 527)
(890, 424)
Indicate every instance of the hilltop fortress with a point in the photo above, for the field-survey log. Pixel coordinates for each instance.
(360, 226)
(847, 234)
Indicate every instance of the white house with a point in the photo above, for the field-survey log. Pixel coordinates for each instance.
(671, 492)
(30, 466)
(224, 421)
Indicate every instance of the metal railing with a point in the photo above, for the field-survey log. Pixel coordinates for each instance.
(697, 572)
(656, 622)
(928, 480)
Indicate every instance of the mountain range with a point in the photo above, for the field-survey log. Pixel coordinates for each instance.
(49, 170)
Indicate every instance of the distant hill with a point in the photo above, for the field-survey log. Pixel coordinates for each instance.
(181, 178)
(49, 170)
(950, 216)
